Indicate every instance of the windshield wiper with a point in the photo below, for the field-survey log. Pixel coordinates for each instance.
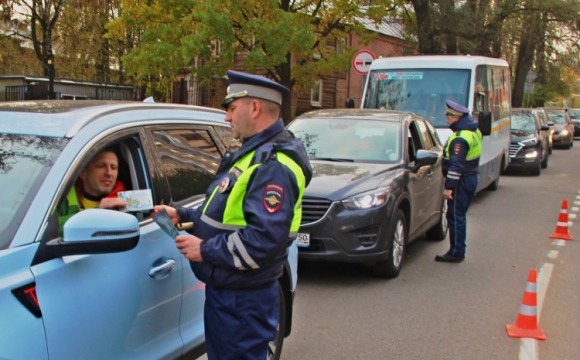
(332, 159)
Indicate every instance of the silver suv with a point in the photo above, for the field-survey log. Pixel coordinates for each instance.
(96, 293)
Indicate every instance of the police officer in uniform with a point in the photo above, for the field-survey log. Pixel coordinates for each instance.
(460, 163)
(250, 217)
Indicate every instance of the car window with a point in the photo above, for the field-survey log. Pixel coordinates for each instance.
(423, 133)
(523, 121)
(413, 141)
(24, 163)
(362, 140)
(132, 170)
(189, 159)
(230, 143)
(558, 117)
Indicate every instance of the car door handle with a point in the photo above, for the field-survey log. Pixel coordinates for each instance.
(161, 268)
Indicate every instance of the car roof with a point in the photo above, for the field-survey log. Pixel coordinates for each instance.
(367, 114)
(64, 118)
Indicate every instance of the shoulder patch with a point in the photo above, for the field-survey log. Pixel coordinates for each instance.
(457, 148)
(273, 197)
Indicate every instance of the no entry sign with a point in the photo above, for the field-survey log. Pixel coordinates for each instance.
(361, 61)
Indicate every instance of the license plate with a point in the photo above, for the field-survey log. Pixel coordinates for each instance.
(303, 240)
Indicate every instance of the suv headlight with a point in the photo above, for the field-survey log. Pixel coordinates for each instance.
(532, 141)
(367, 200)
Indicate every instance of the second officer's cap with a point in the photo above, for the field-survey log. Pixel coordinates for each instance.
(249, 85)
(453, 108)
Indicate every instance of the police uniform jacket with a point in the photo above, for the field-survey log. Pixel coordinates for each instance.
(462, 151)
(249, 252)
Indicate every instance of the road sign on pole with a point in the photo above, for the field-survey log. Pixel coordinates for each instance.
(361, 61)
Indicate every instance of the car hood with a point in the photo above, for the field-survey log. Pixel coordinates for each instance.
(560, 127)
(337, 181)
(519, 135)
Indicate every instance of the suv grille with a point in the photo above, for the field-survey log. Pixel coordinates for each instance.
(314, 209)
(514, 148)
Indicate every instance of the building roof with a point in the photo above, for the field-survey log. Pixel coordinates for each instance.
(389, 27)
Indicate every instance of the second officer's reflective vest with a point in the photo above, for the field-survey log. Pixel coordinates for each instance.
(474, 140)
(233, 215)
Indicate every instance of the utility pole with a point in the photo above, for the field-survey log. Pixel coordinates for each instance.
(50, 64)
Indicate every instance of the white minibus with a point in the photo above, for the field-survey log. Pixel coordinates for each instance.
(422, 83)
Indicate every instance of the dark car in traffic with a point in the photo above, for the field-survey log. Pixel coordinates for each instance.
(377, 185)
(529, 137)
(575, 117)
(563, 127)
(546, 121)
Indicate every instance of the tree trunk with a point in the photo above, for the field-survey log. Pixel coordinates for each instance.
(541, 79)
(425, 28)
(528, 43)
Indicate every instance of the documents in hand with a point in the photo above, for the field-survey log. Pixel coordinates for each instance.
(137, 200)
(162, 219)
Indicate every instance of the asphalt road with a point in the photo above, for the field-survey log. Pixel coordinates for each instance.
(457, 311)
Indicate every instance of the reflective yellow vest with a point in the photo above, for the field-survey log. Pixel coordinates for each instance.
(474, 140)
(233, 212)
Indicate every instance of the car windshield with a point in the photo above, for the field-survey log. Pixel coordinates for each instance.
(24, 162)
(349, 139)
(574, 114)
(523, 121)
(558, 117)
(422, 91)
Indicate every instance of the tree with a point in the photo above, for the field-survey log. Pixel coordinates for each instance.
(548, 42)
(41, 16)
(286, 40)
(70, 33)
(93, 57)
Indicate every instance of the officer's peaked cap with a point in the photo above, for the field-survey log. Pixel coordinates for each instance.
(454, 108)
(243, 85)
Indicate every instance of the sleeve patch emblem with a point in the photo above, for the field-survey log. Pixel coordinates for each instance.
(224, 184)
(457, 149)
(273, 197)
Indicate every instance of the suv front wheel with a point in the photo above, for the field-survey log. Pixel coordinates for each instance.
(397, 241)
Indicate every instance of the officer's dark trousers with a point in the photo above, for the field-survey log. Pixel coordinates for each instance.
(239, 324)
(456, 214)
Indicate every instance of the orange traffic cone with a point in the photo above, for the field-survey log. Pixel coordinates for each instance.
(562, 225)
(526, 325)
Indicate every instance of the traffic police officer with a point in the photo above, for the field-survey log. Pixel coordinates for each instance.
(460, 163)
(242, 231)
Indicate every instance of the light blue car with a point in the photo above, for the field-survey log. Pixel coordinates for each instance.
(113, 286)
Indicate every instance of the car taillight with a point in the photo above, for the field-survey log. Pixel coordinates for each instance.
(27, 296)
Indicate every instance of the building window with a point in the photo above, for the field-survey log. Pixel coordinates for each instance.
(316, 94)
(341, 45)
(216, 48)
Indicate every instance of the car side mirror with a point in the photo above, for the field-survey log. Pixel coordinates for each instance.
(484, 122)
(545, 128)
(97, 231)
(424, 158)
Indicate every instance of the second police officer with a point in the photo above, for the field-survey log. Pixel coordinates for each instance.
(460, 168)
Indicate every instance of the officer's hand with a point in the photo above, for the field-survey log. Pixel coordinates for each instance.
(448, 194)
(189, 246)
(172, 212)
